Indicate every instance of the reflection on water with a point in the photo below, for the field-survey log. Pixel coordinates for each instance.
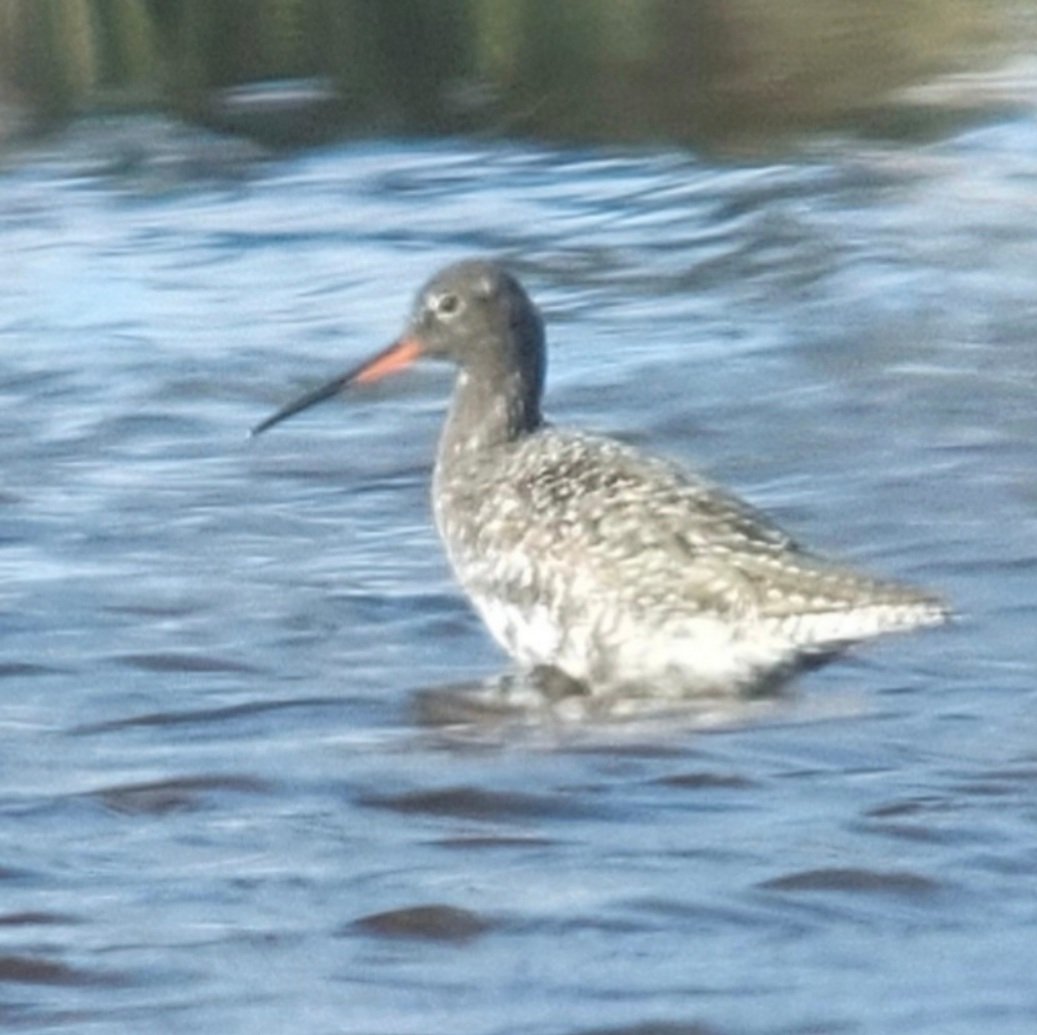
(724, 73)
(509, 710)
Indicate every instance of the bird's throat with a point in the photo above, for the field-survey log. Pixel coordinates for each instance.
(489, 411)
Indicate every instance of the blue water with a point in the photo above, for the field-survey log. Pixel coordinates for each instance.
(224, 803)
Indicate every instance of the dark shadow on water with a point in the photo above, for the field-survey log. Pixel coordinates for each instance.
(39, 970)
(434, 922)
(477, 804)
(205, 716)
(181, 794)
(854, 880)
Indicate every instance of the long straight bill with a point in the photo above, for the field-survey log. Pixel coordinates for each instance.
(397, 356)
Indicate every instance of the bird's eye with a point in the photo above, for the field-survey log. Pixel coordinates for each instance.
(448, 305)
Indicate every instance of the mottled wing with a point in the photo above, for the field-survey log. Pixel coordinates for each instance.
(671, 543)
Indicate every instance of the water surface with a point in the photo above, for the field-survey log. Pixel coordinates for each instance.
(220, 807)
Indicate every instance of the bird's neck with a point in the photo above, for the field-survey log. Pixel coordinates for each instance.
(490, 410)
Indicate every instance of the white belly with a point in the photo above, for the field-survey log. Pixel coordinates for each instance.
(529, 634)
(617, 654)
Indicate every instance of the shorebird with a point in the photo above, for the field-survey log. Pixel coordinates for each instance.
(597, 568)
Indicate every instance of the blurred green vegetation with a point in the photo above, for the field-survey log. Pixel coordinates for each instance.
(705, 72)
